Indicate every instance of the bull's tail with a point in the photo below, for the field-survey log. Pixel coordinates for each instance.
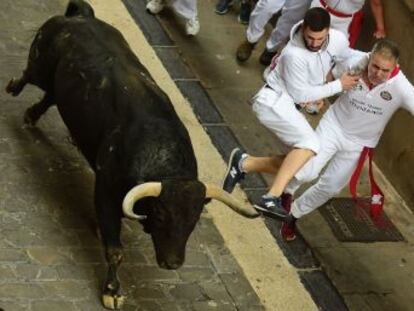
(79, 8)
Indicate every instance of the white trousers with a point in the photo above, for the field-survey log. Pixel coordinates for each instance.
(342, 155)
(292, 12)
(186, 8)
(277, 111)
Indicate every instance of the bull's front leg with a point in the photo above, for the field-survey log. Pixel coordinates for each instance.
(34, 112)
(15, 85)
(109, 217)
(111, 297)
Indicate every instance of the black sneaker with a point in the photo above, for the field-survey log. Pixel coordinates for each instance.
(266, 57)
(272, 206)
(222, 6)
(233, 174)
(245, 10)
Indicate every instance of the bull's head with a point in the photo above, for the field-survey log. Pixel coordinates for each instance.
(175, 209)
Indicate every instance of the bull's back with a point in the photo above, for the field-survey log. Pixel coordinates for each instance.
(101, 87)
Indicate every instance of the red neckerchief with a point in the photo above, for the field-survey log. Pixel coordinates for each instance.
(333, 11)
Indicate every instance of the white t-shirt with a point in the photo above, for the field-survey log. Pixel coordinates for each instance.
(343, 6)
(362, 113)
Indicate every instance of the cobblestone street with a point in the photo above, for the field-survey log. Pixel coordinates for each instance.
(50, 255)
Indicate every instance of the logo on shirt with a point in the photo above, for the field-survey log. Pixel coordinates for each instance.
(358, 87)
(386, 95)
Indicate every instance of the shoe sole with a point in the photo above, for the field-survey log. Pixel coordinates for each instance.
(266, 211)
(221, 12)
(229, 167)
(287, 239)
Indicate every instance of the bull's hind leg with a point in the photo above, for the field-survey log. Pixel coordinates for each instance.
(15, 85)
(34, 112)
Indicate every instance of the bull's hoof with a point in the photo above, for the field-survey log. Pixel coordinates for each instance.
(29, 119)
(113, 302)
(14, 87)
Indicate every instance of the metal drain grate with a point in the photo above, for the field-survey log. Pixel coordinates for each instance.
(350, 223)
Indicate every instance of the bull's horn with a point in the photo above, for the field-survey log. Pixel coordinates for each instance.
(149, 189)
(214, 192)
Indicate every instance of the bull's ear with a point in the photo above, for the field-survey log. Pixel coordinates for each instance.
(79, 8)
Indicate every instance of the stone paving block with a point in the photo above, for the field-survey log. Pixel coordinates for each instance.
(48, 256)
(216, 291)
(251, 308)
(87, 255)
(134, 256)
(206, 232)
(171, 306)
(189, 291)
(55, 237)
(76, 272)
(31, 272)
(6, 273)
(188, 274)
(147, 291)
(13, 255)
(5, 147)
(66, 290)
(196, 258)
(222, 260)
(90, 305)
(52, 306)
(148, 306)
(239, 289)
(211, 305)
(153, 273)
(21, 291)
(13, 306)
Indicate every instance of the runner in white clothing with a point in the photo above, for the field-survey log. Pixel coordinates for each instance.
(353, 124)
(293, 11)
(298, 77)
(185, 8)
(347, 16)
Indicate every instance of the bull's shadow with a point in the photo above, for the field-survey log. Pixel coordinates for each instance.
(57, 178)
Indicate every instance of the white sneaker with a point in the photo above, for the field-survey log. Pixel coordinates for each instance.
(271, 66)
(155, 6)
(266, 73)
(192, 26)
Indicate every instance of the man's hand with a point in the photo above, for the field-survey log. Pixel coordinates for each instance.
(379, 33)
(330, 77)
(348, 81)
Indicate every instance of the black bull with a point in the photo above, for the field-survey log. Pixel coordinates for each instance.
(127, 129)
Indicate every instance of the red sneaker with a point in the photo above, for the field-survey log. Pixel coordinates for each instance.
(287, 231)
